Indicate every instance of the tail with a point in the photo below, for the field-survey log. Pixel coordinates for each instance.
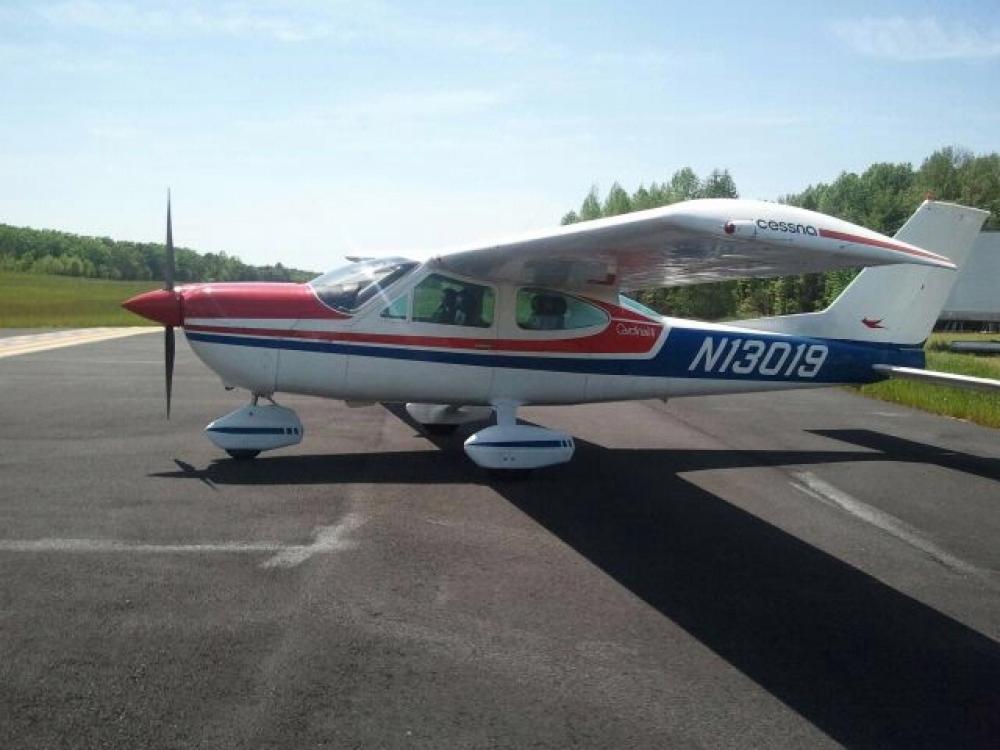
(896, 304)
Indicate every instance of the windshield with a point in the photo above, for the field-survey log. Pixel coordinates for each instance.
(348, 288)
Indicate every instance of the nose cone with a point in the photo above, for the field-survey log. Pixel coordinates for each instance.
(162, 306)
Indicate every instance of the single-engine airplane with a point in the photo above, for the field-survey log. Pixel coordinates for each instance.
(542, 319)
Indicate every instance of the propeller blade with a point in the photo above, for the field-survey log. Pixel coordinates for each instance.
(168, 350)
(168, 271)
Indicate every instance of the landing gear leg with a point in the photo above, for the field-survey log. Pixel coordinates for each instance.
(506, 412)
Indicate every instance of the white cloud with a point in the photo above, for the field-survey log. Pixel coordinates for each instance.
(181, 19)
(113, 131)
(639, 59)
(908, 40)
(54, 57)
(377, 118)
(738, 119)
(302, 21)
(429, 104)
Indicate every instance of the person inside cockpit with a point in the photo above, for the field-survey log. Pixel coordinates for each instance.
(548, 313)
(470, 305)
(447, 309)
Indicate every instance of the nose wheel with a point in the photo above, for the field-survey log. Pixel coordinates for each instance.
(244, 433)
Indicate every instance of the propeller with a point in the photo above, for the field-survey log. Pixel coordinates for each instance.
(164, 306)
(168, 331)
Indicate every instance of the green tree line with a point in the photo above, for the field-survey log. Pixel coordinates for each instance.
(51, 252)
(881, 198)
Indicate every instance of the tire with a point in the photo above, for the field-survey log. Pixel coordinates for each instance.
(440, 429)
(243, 455)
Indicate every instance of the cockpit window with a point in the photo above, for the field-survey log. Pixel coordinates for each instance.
(348, 288)
(446, 301)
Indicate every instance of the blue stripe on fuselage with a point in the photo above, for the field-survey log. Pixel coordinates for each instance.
(252, 430)
(524, 444)
(846, 361)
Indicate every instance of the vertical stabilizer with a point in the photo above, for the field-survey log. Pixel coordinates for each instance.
(896, 304)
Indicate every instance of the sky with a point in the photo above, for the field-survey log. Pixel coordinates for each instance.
(301, 131)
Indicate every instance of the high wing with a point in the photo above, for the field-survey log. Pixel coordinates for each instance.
(686, 243)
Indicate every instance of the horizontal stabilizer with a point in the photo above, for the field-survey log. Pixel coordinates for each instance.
(988, 385)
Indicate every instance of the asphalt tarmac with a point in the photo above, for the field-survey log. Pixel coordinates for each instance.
(809, 569)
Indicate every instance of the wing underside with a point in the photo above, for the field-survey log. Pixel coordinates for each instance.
(688, 243)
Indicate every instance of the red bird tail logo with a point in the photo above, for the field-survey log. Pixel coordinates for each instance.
(873, 323)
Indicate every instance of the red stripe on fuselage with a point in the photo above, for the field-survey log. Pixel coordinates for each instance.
(255, 300)
(858, 239)
(639, 339)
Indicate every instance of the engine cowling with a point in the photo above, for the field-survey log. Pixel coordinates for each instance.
(519, 447)
(256, 428)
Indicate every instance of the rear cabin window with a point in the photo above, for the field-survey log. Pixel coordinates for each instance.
(545, 310)
(636, 306)
(439, 299)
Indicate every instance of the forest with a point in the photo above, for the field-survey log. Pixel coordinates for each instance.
(881, 198)
(45, 251)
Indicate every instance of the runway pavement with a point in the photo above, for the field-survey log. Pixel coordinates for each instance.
(809, 569)
(17, 341)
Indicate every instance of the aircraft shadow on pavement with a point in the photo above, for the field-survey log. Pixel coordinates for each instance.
(895, 448)
(868, 665)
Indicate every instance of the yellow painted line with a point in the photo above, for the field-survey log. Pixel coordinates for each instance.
(41, 342)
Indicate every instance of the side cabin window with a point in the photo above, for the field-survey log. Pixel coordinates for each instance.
(545, 310)
(439, 299)
(399, 309)
(636, 306)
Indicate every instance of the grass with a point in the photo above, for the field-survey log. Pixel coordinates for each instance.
(981, 408)
(37, 301)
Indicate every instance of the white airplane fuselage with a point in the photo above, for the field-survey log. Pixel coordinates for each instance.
(304, 347)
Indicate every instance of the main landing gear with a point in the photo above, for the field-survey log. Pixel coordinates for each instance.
(505, 449)
(511, 447)
(244, 433)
